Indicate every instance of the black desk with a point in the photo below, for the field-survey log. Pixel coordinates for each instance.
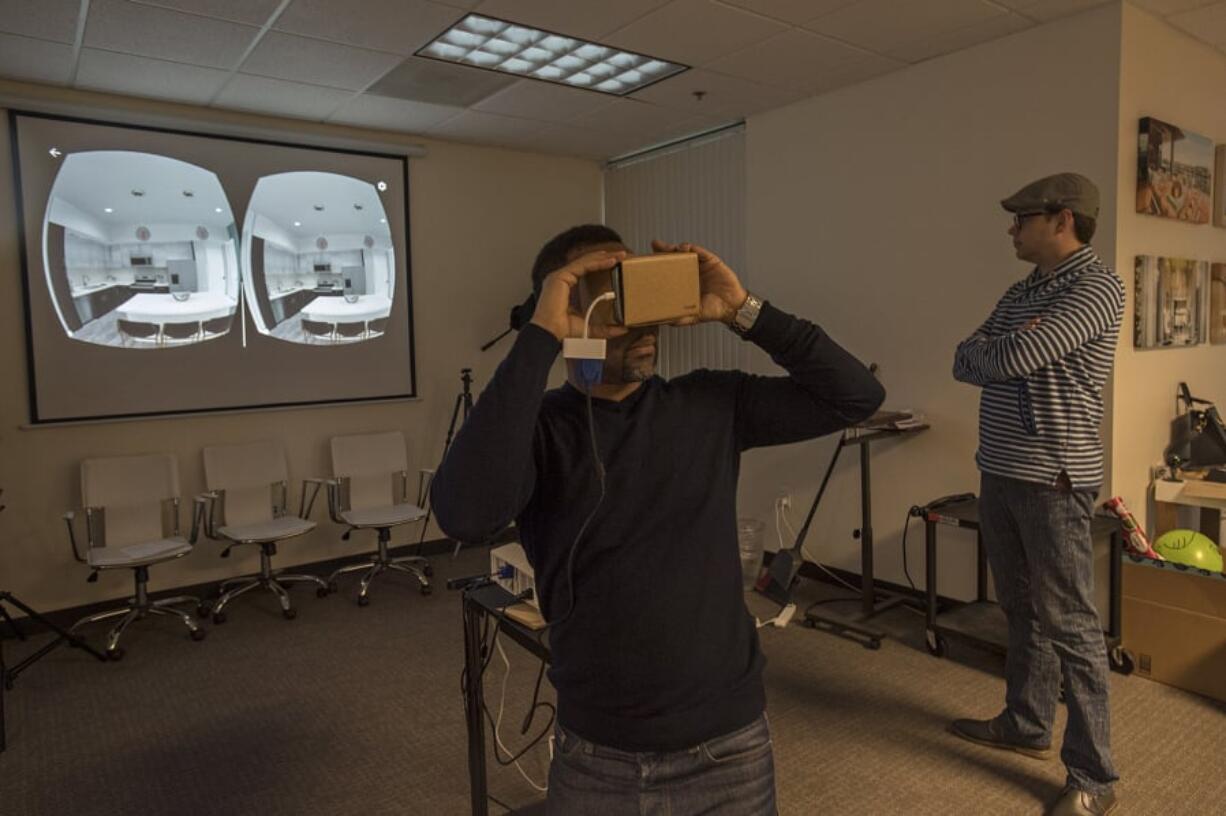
(872, 600)
(981, 622)
(480, 604)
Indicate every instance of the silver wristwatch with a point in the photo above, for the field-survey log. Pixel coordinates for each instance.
(744, 317)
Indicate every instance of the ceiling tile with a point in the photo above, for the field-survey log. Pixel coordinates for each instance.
(883, 25)
(399, 26)
(722, 96)
(142, 76)
(546, 101)
(485, 127)
(1046, 10)
(47, 20)
(1208, 24)
(791, 11)
(951, 41)
(634, 116)
(694, 32)
(251, 12)
(443, 83)
(387, 113)
(284, 56)
(35, 60)
(149, 31)
(799, 59)
(589, 20)
(583, 142)
(278, 97)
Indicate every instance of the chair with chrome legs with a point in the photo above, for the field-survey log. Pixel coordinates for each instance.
(132, 522)
(246, 504)
(369, 491)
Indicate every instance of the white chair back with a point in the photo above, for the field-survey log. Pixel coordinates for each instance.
(245, 473)
(130, 490)
(372, 463)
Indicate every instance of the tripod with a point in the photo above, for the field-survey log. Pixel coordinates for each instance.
(463, 401)
(9, 676)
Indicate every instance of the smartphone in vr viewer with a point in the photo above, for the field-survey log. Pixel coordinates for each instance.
(648, 289)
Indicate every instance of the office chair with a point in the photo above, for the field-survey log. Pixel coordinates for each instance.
(131, 503)
(246, 504)
(369, 490)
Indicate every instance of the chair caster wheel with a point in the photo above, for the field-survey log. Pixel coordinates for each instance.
(115, 654)
(332, 587)
(426, 589)
(428, 570)
(289, 614)
(322, 592)
(1120, 661)
(936, 644)
(363, 600)
(199, 634)
(219, 618)
(202, 611)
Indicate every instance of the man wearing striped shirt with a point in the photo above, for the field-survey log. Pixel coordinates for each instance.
(1042, 359)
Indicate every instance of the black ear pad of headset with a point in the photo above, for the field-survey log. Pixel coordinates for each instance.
(522, 314)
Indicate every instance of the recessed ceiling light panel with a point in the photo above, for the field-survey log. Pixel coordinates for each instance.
(498, 45)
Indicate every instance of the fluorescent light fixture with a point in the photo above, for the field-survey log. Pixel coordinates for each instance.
(498, 45)
(217, 209)
(297, 223)
(108, 209)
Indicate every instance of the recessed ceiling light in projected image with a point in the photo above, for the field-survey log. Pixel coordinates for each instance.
(318, 263)
(140, 251)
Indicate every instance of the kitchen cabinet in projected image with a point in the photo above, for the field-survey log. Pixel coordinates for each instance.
(318, 263)
(141, 251)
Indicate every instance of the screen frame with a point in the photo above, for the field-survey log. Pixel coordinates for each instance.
(26, 283)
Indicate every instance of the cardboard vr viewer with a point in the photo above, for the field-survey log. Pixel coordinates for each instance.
(648, 290)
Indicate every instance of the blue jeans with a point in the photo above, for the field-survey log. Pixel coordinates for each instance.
(1038, 544)
(732, 775)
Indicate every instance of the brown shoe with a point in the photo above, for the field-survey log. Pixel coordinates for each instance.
(987, 732)
(1076, 802)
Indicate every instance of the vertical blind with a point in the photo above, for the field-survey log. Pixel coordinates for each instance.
(690, 191)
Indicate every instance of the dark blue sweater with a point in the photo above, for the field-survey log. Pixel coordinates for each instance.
(659, 653)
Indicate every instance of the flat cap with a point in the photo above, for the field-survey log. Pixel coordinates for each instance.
(1071, 191)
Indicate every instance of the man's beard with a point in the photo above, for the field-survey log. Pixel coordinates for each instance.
(639, 371)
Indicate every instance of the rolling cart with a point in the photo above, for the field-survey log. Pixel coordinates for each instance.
(981, 622)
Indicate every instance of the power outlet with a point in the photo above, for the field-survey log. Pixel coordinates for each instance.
(784, 501)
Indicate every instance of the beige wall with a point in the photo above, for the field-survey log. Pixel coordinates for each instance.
(1166, 74)
(477, 215)
(874, 211)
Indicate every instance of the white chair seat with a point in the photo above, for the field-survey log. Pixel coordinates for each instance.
(388, 516)
(271, 530)
(143, 553)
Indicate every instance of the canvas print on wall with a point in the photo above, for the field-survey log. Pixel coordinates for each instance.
(1170, 302)
(1217, 304)
(1219, 189)
(1174, 172)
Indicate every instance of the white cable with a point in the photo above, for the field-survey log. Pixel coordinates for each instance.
(588, 318)
(782, 513)
(502, 699)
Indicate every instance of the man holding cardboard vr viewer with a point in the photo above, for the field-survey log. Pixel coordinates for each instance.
(623, 486)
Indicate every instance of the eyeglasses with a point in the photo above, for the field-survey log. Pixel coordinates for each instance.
(1020, 218)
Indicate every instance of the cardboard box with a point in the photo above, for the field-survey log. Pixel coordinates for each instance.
(1174, 625)
(650, 289)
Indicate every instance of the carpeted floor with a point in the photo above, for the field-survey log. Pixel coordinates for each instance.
(350, 710)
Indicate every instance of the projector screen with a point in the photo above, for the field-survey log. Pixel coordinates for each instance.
(169, 272)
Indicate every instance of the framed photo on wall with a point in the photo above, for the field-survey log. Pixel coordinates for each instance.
(1174, 172)
(1219, 188)
(1217, 303)
(1171, 302)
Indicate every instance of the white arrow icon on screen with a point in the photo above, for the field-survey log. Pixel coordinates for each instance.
(55, 152)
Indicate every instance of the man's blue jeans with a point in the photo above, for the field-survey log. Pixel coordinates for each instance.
(732, 775)
(1038, 544)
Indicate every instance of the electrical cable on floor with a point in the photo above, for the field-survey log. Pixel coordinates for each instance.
(781, 513)
(500, 803)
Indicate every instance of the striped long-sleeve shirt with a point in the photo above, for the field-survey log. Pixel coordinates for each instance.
(1041, 406)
